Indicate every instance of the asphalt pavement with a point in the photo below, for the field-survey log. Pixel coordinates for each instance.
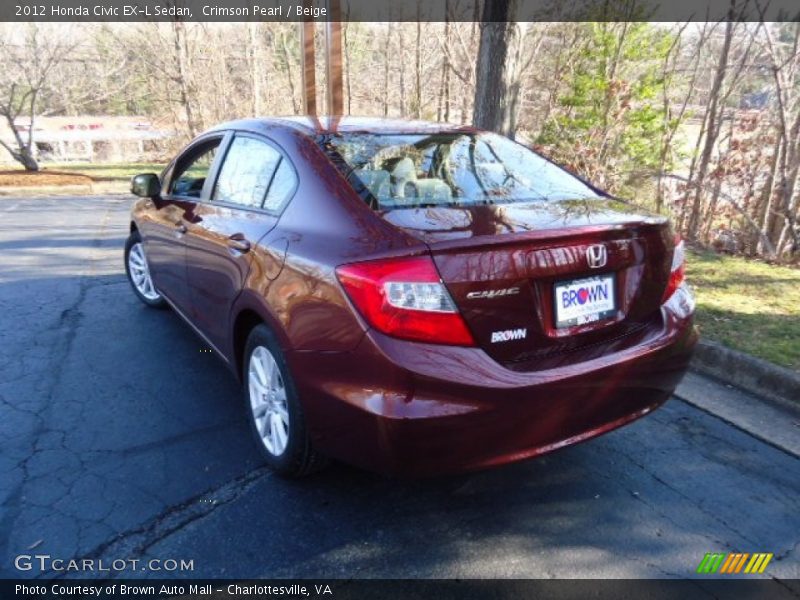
(120, 438)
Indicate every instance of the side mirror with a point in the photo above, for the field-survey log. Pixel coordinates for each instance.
(146, 185)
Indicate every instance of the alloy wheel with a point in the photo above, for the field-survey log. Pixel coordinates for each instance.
(140, 273)
(268, 401)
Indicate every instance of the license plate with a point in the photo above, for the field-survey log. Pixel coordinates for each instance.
(582, 301)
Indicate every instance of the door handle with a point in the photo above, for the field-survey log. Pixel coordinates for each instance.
(180, 228)
(237, 242)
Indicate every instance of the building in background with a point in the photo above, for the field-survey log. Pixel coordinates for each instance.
(92, 139)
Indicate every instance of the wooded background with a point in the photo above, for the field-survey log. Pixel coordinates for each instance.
(701, 120)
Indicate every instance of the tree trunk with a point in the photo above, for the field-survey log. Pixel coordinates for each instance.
(447, 93)
(712, 132)
(23, 153)
(468, 85)
(290, 79)
(771, 194)
(30, 163)
(23, 157)
(611, 61)
(784, 234)
(402, 70)
(386, 70)
(256, 67)
(346, 51)
(440, 95)
(179, 32)
(443, 112)
(447, 75)
(418, 70)
(789, 229)
(492, 106)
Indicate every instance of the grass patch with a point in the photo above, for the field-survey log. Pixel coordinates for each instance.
(107, 172)
(748, 305)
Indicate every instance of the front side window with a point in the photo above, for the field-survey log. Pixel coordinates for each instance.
(192, 170)
(247, 172)
(448, 169)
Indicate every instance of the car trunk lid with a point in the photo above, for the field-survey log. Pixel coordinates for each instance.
(507, 268)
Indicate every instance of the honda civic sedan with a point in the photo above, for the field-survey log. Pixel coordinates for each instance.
(408, 297)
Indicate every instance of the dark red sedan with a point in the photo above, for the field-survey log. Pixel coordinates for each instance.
(412, 297)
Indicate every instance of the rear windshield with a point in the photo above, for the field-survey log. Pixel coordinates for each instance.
(448, 169)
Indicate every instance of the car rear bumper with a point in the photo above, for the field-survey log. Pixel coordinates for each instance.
(416, 409)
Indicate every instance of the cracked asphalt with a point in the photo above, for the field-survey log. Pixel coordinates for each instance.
(121, 439)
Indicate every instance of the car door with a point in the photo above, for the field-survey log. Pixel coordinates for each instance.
(186, 182)
(253, 184)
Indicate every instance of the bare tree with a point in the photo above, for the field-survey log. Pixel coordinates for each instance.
(713, 121)
(182, 77)
(443, 101)
(418, 69)
(492, 99)
(674, 116)
(255, 57)
(285, 59)
(27, 66)
(386, 55)
(785, 63)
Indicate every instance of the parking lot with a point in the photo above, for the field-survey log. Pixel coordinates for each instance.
(122, 438)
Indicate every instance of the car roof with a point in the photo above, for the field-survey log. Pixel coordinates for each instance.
(324, 125)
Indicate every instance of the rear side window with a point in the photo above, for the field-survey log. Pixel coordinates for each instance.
(283, 184)
(448, 169)
(246, 173)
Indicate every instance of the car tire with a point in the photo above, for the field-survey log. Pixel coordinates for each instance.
(275, 413)
(138, 272)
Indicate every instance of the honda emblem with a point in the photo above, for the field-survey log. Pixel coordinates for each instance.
(596, 256)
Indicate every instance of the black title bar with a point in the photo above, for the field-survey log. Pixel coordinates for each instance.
(395, 10)
(407, 589)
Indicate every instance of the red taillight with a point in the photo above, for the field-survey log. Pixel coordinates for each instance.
(677, 271)
(405, 298)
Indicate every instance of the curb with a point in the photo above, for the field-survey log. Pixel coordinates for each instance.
(750, 373)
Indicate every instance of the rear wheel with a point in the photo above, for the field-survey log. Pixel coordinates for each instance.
(276, 417)
(138, 271)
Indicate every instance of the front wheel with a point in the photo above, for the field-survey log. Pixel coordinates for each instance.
(276, 417)
(138, 271)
